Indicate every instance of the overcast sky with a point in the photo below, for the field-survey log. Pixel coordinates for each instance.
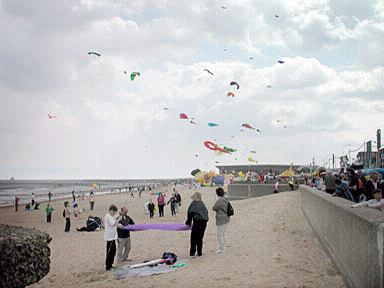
(329, 91)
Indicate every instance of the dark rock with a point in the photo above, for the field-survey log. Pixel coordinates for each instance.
(24, 256)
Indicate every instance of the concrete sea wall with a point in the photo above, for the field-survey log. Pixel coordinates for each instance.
(353, 237)
(244, 191)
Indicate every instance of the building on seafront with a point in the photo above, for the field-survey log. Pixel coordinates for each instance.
(261, 169)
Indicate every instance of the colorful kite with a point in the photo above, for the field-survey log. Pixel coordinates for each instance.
(229, 149)
(194, 172)
(210, 124)
(250, 159)
(246, 125)
(213, 146)
(183, 116)
(94, 53)
(134, 74)
(235, 83)
(229, 94)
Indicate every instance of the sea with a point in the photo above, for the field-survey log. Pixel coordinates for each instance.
(61, 189)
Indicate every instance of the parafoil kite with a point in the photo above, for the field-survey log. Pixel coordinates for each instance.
(246, 125)
(208, 71)
(183, 116)
(210, 124)
(281, 62)
(230, 94)
(94, 53)
(235, 83)
(134, 74)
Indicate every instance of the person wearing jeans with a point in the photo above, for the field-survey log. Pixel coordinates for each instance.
(222, 218)
(67, 215)
(124, 237)
(110, 235)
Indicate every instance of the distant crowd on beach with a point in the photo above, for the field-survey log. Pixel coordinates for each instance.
(365, 191)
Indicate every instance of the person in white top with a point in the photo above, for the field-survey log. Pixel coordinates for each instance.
(110, 235)
(376, 202)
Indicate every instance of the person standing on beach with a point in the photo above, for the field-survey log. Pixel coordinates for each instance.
(110, 235)
(222, 218)
(276, 187)
(73, 196)
(197, 216)
(91, 200)
(124, 237)
(141, 189)
(67, 216)
(131, 191)
(161, 203)
(17, 199)
(49, 196)
(151, 209)
(178, 201)
(33, 200)
(48, 211)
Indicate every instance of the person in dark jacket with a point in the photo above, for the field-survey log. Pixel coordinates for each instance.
(343, 191)
(197, 216)
(124, 237)
(371, 185)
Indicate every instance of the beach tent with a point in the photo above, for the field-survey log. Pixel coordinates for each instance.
(287, 173)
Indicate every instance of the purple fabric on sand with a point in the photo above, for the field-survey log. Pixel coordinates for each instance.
(158, 226)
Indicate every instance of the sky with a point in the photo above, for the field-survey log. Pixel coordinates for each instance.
(328, 92)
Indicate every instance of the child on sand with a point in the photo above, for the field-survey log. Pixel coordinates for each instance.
(48, 211)
(376, 202)
(151, 208)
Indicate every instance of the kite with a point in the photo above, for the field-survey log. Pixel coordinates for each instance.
(94, 53)
(250, 159)
(281, 62)
(50, 116)
(134, 74)
(223, 7)
(194, 172)
(236, 84)
(167, 109)
(269, 86)
(213, 146)
(208, 71)
(229, 149)
(210, 124)
(193, 122)
(277, 16)
(158, 226)
(230, 94)
(251, 58)
(246, 125)
(183, 116)
(253, 152)
(258, 130)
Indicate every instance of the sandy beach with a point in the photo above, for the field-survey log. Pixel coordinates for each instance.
(269, 244)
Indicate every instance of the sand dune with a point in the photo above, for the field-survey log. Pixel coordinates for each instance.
(269, 244)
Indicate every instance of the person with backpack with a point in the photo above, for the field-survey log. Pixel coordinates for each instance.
(222, 217)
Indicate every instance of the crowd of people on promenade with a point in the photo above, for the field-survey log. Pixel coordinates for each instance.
(353, 186)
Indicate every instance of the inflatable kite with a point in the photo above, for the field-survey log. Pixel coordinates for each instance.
(229, 94)
(183, 116)
(235, 83)
(210, 124)
(158, 226)
(208, 71)
(94, 53)
(213, 146)
(246, 125)
(134, 74)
